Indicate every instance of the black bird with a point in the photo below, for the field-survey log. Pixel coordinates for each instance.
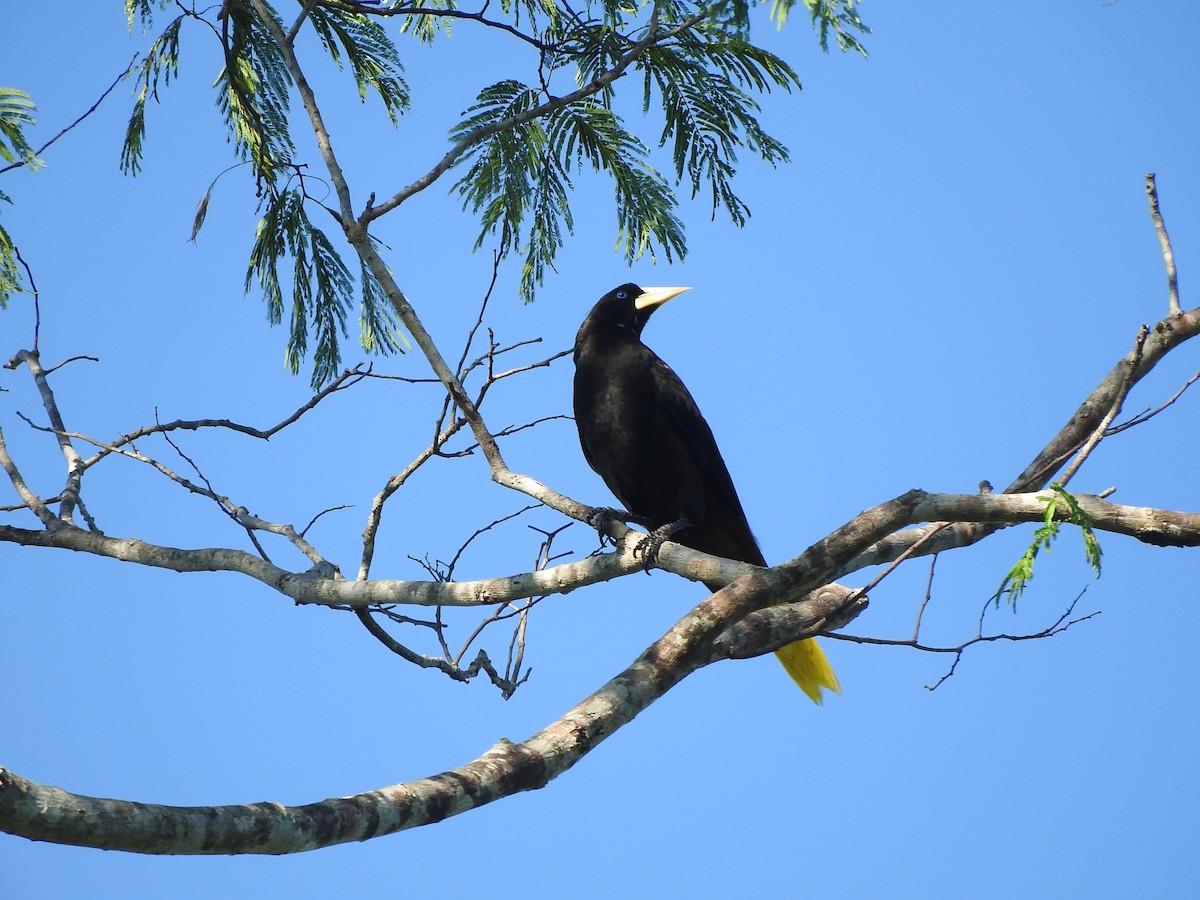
(642, 432)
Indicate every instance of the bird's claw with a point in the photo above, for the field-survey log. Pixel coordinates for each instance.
(647, 548)
(602, 517)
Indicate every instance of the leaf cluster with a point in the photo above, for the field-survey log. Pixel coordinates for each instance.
(698, 67)
(838, 19)
(519, 149)
(322, 287)
(16, 112)
(523, 167)
(1021, 574)
(253, 93)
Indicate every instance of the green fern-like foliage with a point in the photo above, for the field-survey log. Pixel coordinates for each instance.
(10, 273)
(838, 19)
(370, 53)
(702, 80)
(320, 286)
(708, 118)
(1019, 576)
(159, 66)
(16, 114)
(516, 151)
(521, 171)
(252, 93)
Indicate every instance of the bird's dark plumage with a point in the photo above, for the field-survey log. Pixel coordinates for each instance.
(642, 432)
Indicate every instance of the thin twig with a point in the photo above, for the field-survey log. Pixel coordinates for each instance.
(1150, 414)
(925, 601)
(375, 515)
(347, 379)
(37, 297)
(72, 359)
(91, 109)
(313, 520)
(934, 528)
(1058, 627)
(1100, 430)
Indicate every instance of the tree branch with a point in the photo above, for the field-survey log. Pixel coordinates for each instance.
(75, 468)
(1164, 337)
(1168, 256)
(47, 813)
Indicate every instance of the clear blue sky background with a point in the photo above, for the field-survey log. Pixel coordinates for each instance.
(959, 251)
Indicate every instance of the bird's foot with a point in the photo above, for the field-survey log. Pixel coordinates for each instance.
(602, 517)
(647, 548)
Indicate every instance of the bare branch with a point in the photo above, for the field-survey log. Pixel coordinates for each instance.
(45, 813)
(347, 379)
(33, 290)
(29, 499)
(1168, 256)
(375, 515)
(1164, 337)
(926, 599)
(450, 663)
(1060, 625)
(1152, 526)
(75, 467)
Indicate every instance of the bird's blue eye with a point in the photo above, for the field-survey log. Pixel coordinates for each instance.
(621, 295)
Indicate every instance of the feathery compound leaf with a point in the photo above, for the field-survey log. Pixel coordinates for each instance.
(142, 11)
(16, 112)
(277, 236)
(1078, 516)
(551, 212)
(594, 51)
(424, 26)
(323, 290)
(1021, 574)
(534, 10)
(504, 163)
(522, 168)
(11, 281)
(646, 221)
(253, 92)
(378, 330)
(371, 54)
(161, 64)
(321, 284)
(334, 299)
(836, 17)
(707, 114)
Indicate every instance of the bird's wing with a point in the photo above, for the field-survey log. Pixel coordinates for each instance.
(684, 416)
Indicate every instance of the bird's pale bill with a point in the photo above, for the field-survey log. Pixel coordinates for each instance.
(653, 296)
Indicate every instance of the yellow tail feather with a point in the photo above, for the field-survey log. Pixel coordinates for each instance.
(805, 661)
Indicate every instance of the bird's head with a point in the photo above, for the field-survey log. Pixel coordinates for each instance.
(629, 306)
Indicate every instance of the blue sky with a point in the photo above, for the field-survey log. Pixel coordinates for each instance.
(957, 254)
